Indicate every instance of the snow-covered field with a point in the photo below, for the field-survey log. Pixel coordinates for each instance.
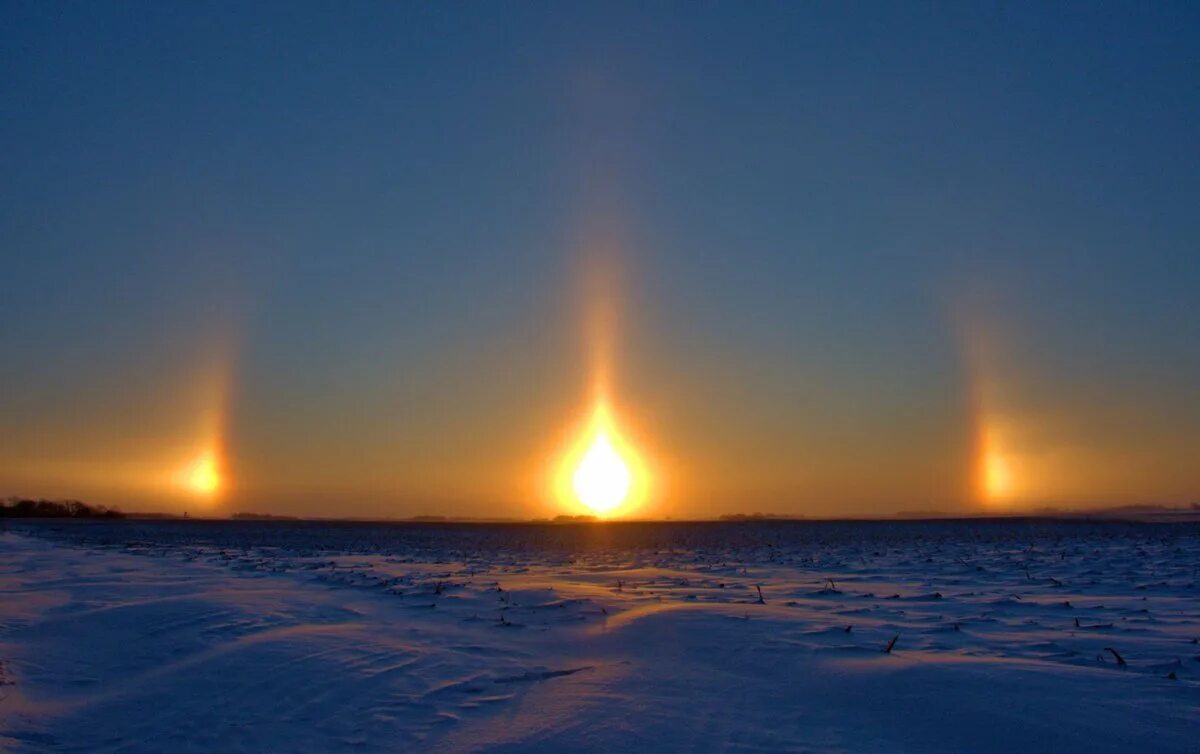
(178, 636)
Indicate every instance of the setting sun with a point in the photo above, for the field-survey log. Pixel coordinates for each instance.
(602, 473)
(203, 476)
(601, 481)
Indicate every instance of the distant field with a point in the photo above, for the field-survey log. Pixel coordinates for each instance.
(1029, 635)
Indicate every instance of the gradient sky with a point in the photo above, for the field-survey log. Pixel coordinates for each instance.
(861, 257)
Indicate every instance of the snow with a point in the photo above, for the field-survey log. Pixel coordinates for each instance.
(128, 636)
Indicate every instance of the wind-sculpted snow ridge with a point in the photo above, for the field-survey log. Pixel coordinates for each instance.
(947, 636)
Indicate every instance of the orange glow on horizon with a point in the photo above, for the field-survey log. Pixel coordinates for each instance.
(996, 460)
(997, 476)
(1000, 476)
(203, 475)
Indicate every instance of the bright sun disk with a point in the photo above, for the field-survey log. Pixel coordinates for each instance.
(203, 476)
(602, 479)
(602, 472)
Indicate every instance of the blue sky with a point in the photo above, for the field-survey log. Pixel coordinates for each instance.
(848, 234)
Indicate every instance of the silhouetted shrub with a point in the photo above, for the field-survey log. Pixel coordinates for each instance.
(16, 507)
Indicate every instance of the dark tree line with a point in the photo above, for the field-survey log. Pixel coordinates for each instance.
(16, 507)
